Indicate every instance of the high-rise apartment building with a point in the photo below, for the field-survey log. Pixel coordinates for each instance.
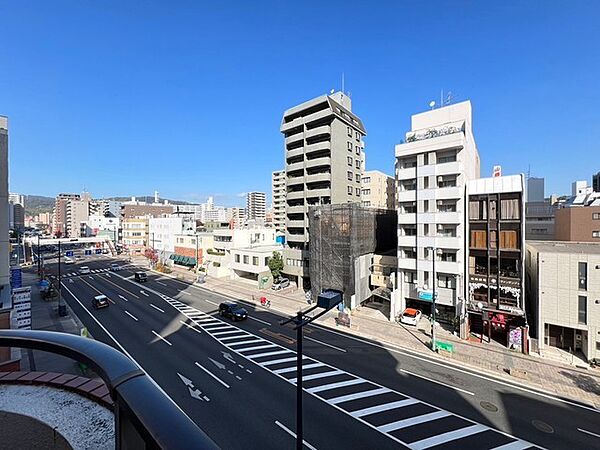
(325, 161)
(433, 165)
(59, 220)
(278, 191)
(256, 206)
(378, 190)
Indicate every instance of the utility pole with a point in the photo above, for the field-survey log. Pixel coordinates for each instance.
(433, 344)
(38, 256)
(62, 309)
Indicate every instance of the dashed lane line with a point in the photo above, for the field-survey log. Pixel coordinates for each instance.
(161, 338)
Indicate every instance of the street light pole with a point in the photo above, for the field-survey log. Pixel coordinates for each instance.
(38, 257)
(299, 421)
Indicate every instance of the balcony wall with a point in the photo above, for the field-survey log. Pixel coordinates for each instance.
(325, 129)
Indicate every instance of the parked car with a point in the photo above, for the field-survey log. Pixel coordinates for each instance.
(114, 267)
(68, 260)
(281, 284)
(100, 301)
(411, 316)
(233, 311)
(140, 277)
(83, 270)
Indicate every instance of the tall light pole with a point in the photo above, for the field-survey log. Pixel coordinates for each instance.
(62, 309)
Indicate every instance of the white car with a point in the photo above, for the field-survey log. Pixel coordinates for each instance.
(68, 260)
(84, 270)
(114, 267)
(411, 316)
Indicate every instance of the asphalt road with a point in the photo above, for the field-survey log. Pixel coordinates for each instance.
(236, 380)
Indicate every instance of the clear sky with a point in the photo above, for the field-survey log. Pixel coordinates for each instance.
(125, 97)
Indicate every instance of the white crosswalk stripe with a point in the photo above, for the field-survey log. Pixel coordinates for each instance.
(354, 391)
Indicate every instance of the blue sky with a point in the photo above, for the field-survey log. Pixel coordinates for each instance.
(124, 97)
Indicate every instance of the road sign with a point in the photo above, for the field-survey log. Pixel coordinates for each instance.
(87, 252)
(69, 253)
(98, 251)
(15, 278)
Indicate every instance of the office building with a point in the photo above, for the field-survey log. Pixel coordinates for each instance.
(495, 292)
(135, 235)
(325, 161)
(378, 190)
(256, 204)
(77, 212)
(578, 224)
(563, 292)
(59, 219)
(278, 191)
(433, 165)
(5, 294)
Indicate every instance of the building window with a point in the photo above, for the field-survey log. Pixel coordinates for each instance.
(448, 256)
(349, 146)
(510, 209)
(596, 234)
(425, 182)
(446, 157)
(446, 206)
(409, 230)
(446, 181)
(426, 159)
(349, 176)
(246, 259)
(582, 310)
(446, 230)
(366, 180)
(357, 150)
(408, 185)
(349, 190)
(596, 216)
(237, 258)
(357, 176)
(367, 204)
(446, 281)
(407, 207)
(407, 162)
(350, 131)
(358, 192)
(357, 163)
(350, 161)
(582, 276)
(366, 191)
(357, 136)
(255, 260)
(410, 277)
(409, 253)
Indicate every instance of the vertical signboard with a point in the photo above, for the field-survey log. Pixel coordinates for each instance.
(21, 298)
(16, 280)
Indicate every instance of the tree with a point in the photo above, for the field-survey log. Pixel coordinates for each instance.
(276, 265)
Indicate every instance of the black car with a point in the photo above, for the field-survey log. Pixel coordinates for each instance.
(233, 311)
(140, 277)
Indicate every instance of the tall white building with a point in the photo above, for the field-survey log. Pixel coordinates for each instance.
(278, 198)
(162, 231)
(433, 166)
(256, 206)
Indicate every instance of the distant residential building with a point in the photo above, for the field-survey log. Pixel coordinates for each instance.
(596, 182)
(59, 219)
(256, 204)
(16, 216)
(535, 189)
(378, 190)
(563, 291)
(578, 224)
(188, 246)
(278, 191)
(135, 235)
(144, 210)
(77, 211)
(433, 166)
(496, 220)
(106, 208)
(99, 225)
(16, 199)
(325, 161)
(44, 218)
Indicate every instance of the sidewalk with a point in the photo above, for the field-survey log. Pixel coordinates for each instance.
(44, 316)
(548, 376)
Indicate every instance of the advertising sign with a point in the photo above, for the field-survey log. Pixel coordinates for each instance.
(21, 298)
(515, 338)
(16, 280)
(69, 253)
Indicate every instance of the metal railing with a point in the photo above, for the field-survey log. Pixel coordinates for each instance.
(145, 417)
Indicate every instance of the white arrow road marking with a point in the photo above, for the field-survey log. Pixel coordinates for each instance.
(160, 337)
(212, 375)
(218, 364)
(229, 358)
(160, 282)
(143, 293)
(123, 298)
(195, 393)
(91, 278)
(185, 380)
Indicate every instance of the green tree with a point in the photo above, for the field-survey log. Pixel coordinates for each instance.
(276, 265)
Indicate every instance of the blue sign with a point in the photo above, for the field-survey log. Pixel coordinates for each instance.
(98, 251)
(16, 279)
(69, 253)
(425, 295)
(87, 252)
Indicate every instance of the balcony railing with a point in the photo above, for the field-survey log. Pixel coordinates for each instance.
(145, 417)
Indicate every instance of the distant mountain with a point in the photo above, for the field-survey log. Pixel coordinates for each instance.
(35, 204)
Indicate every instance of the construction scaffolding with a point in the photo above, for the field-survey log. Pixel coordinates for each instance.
(339, 234)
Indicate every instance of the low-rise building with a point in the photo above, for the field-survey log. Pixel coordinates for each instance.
(135, 234)
(578, 224)
(191, 248)
(144, 210)
(252, 263)
(563, 291)
(162, 232)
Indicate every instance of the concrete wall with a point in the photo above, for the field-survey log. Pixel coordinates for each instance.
(577, 224)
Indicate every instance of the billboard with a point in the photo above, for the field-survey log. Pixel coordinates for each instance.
(21, 298)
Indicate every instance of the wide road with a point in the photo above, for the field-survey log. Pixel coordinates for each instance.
(237, 380)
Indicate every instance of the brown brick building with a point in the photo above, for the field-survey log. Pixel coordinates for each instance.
(578, 224)
(130, 211)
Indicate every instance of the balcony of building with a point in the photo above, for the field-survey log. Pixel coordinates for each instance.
(295, 209)
(294, 140)
(317, 147)
(297, 166)
(288, 127)
(295, 195)
(318, 117)
(295, 152)
(323, 130)
(324, 161)
(317, 177)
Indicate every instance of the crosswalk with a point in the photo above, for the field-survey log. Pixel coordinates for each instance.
(92, 271)
(406, 420)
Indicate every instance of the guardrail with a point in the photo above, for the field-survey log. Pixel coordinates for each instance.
(145, 417)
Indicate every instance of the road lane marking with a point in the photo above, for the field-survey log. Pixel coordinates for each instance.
(98, 291)
(325, 343)
(213, 375)
(588, 432)
(257, 347)
(515, 445)
(121, 287)
(252, 341)
(404, 423)
(103, 328)
(186, 293)
(143, 293)
(291, 433)
(259, 320)
(447, 437)
(190, 327)
(123, 298)
(157, 308)
(277, 352)
(357, 395)
(212, 303)
(293, 368)
(278, 361)
(160, 337)
(130, 315)
(316, 376)
(437, 382)
(160, 282)
(327, 387)
(219, 333)
(228, 338)
(384, 407)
